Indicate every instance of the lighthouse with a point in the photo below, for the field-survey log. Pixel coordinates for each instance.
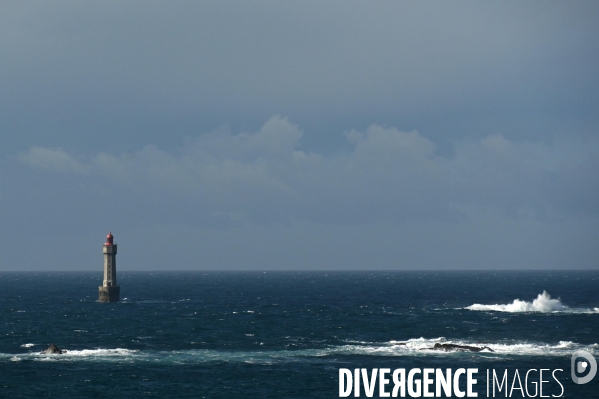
(109, 291)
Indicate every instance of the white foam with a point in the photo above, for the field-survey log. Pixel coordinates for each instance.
(543, 303)
(27, 345)
(110, 355)
(424, 347)
(421, 347)
(101, 352)
(525, 348)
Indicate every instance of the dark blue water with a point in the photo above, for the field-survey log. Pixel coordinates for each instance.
(284, 334)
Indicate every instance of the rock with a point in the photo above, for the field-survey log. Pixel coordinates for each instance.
(399, 343)
(52, 350)
(454, 347)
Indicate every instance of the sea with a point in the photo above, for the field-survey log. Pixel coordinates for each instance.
(265, 334)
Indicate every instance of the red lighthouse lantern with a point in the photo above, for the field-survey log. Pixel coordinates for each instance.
(109, 239)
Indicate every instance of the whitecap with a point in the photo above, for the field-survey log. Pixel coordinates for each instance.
(565, 344)
(420, 347)
(27, 345)
(543, 303)
(101, 352)
(423, 347)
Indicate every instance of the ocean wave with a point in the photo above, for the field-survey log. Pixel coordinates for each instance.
(424, 347)
(116, 354)
(543, 303)
(420, 347)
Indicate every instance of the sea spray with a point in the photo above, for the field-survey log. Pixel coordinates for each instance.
(543, 303)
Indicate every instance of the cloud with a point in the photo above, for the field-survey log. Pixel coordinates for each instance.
(52, 160)
(452, 70)
(387, 175)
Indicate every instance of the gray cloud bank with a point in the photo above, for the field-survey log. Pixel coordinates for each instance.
(387, 175)
(257, 200)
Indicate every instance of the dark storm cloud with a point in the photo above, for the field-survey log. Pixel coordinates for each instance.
(134, 73)
(414, 134)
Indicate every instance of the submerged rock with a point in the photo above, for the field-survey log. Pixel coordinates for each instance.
(52, 349)
(454, 347)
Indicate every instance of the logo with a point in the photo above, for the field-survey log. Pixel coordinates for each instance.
(580, 366)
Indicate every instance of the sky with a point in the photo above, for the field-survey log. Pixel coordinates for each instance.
(269, 135)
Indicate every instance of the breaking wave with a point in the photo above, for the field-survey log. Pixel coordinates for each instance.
(543, 303)
(412, 347)
(511, 347)
(117, 354)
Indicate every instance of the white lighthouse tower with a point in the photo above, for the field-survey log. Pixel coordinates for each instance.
(109, 291)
